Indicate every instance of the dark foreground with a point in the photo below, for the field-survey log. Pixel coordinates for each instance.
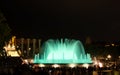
(29, 70)
(13, 66)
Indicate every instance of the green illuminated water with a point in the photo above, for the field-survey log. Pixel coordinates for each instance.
(62, 52)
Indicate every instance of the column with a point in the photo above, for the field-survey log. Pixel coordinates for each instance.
(22, 46)
(34, 46)
(39, 45)
(28, 47)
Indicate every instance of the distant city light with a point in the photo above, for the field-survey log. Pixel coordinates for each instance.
(41, 65)
(55, 65)
(113, 44)
(72, 65)
(100, 64)
(25, 61)
(109, 56)
(85, 65)
(119, 57)
(107, 45)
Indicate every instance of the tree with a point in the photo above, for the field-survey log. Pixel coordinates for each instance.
(5, 31)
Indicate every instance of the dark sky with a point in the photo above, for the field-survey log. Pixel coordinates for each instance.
(77, 19)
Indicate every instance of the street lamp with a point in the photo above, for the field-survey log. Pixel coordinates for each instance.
(109, 59)
(119, 57)
(109, 56)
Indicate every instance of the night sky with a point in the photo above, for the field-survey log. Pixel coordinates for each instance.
(77, 19)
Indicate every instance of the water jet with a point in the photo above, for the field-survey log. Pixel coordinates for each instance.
(63, 51)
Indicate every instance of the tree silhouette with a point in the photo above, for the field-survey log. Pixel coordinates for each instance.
(5, 31)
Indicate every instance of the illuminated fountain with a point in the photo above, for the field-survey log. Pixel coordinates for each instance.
(62, 52)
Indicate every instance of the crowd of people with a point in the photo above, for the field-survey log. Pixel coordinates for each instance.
(14, 66)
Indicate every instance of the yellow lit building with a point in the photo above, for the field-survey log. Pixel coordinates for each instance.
(11, 49)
